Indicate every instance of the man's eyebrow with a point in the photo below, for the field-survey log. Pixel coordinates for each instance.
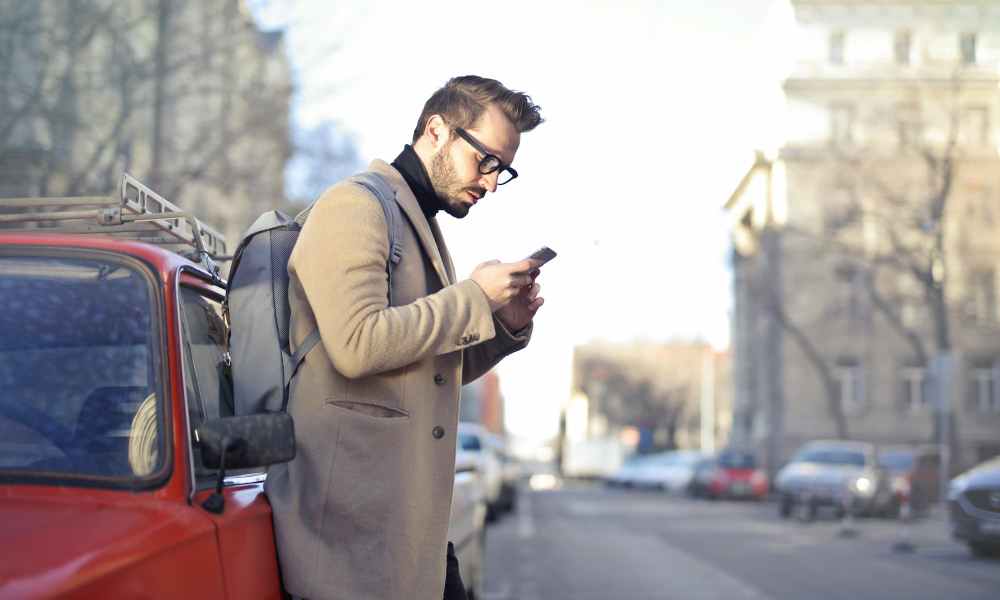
(492, 151)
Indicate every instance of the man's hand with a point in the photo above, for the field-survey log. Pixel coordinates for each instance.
(516, 315)
(505, 282)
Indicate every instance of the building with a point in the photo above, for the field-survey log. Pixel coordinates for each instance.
(482, 403)
(189, 96)
(865, 252)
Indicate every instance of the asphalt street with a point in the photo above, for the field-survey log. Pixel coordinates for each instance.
(583, 541)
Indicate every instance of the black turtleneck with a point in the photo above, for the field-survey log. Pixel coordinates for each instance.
(413, 171)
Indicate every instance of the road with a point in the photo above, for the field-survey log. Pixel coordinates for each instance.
(583, 541)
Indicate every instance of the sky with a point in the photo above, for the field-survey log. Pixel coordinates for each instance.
(653, 110)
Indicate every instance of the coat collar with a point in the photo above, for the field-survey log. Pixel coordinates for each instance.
(408, 202)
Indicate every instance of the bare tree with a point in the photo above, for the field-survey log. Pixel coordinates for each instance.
(769, 297)
(651, 395)
(191, 96)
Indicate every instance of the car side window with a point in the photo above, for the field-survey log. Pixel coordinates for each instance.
(207, 384)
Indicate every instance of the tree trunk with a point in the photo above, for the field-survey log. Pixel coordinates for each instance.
(160, 70)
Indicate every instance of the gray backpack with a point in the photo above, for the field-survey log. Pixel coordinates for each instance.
(257, 302)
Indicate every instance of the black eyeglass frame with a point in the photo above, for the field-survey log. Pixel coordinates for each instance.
(488, 159)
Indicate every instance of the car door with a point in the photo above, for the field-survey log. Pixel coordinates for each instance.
(244, 528)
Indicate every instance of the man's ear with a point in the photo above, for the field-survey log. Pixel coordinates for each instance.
(437, 132)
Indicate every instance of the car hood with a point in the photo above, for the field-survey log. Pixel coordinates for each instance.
(805, 473)
(985, 476)
(65, 542)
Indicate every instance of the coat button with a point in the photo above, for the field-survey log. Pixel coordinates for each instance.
(439, 379)
(438, 432)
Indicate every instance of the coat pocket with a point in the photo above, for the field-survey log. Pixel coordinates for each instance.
(362, 507)
(370, 409)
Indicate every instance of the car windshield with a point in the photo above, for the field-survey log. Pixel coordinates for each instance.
(77, 369)
(896, 461)
(832, 456)
(736, 460)
(468, 441)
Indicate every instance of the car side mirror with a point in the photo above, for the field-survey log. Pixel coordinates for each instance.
(241, 443)
(247, 441)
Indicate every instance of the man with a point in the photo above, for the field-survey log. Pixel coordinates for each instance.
(362, 511)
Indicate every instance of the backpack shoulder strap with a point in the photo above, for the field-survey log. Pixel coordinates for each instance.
(378, 186)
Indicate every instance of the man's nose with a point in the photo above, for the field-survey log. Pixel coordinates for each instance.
(489, 181)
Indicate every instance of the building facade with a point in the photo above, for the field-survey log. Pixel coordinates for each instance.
(865, 250)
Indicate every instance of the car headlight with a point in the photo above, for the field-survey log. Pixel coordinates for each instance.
(864, 486)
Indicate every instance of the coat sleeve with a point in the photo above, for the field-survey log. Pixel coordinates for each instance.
(476, 361)
(339, 260)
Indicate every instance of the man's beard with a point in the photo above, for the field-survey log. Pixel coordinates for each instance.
(447, 187)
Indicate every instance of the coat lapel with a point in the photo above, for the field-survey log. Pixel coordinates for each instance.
(408, 202)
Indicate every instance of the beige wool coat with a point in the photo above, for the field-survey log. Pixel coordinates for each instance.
(362, 511)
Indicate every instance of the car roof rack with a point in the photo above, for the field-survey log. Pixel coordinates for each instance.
(136, 213)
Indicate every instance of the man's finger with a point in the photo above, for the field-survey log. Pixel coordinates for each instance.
(520, 280)
(486, 264)
(526, 266)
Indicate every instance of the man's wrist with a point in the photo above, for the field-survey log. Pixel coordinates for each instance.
(511, 330)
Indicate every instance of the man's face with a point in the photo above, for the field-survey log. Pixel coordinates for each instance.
(455, 167)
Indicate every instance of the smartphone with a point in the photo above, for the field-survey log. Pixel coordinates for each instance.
(543, 254)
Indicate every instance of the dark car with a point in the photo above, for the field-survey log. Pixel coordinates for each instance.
(974, 505)
(844, 475)
(914, 475)
(730, 474)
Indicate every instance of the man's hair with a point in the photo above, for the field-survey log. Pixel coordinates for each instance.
(463, 99)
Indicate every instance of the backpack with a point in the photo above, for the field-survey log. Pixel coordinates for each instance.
(256, 302)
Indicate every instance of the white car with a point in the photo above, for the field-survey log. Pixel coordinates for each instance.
(475, 439)
(672, 471)
(467, 523)
(628, 474)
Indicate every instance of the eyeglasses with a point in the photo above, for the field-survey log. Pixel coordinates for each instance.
(490, 163)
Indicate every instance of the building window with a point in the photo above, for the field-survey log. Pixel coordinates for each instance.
(902, 45)
(837, 39)
(853, 292)
(967, 43)
(984, 390)
(850, 383)
(915, 396)
(983, 295)
(841, 123)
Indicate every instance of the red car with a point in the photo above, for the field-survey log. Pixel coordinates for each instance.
(730, 474)
(114, 412)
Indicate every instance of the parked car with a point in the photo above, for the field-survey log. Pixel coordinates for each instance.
(844, 475)
(672, 471)
(628, 473)
(974, 506)
(730, 474)
(115, 413)
(510, 473)
(467, 524)
(475, 439)
(915, 475)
